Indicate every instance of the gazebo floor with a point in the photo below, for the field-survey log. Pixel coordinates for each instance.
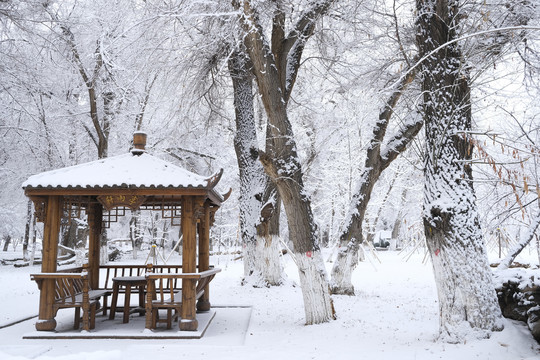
(115, 329)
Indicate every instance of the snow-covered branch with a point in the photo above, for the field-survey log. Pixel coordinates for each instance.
(523, 242)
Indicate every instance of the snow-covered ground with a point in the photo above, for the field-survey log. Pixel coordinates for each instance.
(393, 316)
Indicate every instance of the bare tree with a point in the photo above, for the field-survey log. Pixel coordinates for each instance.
(275, 67)
(377, 160)
(383, 148)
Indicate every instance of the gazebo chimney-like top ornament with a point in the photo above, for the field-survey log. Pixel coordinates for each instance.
(139, 143)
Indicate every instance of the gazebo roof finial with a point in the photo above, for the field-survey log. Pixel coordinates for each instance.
(139, 143)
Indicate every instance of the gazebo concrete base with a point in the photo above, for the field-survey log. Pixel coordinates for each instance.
(115, 329)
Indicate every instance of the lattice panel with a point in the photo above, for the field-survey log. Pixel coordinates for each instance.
(112, 216)
(168, 211)
(72, 208)
(40, 210)
(173, 212)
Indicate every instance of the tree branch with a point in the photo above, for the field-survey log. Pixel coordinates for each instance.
(90, 83)
(295, 42)
(92, 137)
(140, 115)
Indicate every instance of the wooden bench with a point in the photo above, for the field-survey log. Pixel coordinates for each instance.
(168, 296)
(72, 290)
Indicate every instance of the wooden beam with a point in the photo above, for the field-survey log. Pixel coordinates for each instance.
(188, 319)
(51, 229)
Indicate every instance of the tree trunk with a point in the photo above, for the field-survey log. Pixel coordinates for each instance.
(252, 177)
(268, 238)
(262, 263)
(27, 230)
(287, 174)
(281, 161)
(7, 241)
(467, 299)
(396, 229)
(34, 238)
(135, 233)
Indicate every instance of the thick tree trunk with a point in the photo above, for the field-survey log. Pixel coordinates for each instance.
(467, 299)
(74, 234)
(318, 304)
(252, 175)
(257, 205)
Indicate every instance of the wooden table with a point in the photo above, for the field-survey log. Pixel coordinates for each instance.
(128, 282)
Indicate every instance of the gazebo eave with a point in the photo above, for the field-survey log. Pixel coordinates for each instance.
(214, 197)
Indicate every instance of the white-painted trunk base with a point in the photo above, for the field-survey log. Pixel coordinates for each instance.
(318, 303)
(104, 255)
(263, 262)
(344, 265)
(271, 266)
(251, 273)
(467, 299)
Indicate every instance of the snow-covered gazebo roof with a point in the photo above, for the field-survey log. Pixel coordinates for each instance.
(136, 171)
(127, 170)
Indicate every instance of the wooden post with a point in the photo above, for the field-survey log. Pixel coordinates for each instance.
(95, 213)
(46, 321)
(150, 291)
(204, 256)
(86, 299)
(188, 319)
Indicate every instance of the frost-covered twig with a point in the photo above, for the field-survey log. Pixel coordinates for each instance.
(524, 241)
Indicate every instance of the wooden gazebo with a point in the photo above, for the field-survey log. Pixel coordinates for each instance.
(104, 189)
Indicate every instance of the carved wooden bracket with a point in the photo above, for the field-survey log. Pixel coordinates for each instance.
(213, 210)
(40, 210)
(40, 207)
(198, 211)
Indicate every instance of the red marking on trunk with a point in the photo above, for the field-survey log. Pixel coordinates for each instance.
(437, 252)
(308, 254)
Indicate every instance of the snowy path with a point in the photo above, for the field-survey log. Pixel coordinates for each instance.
(394, 315)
